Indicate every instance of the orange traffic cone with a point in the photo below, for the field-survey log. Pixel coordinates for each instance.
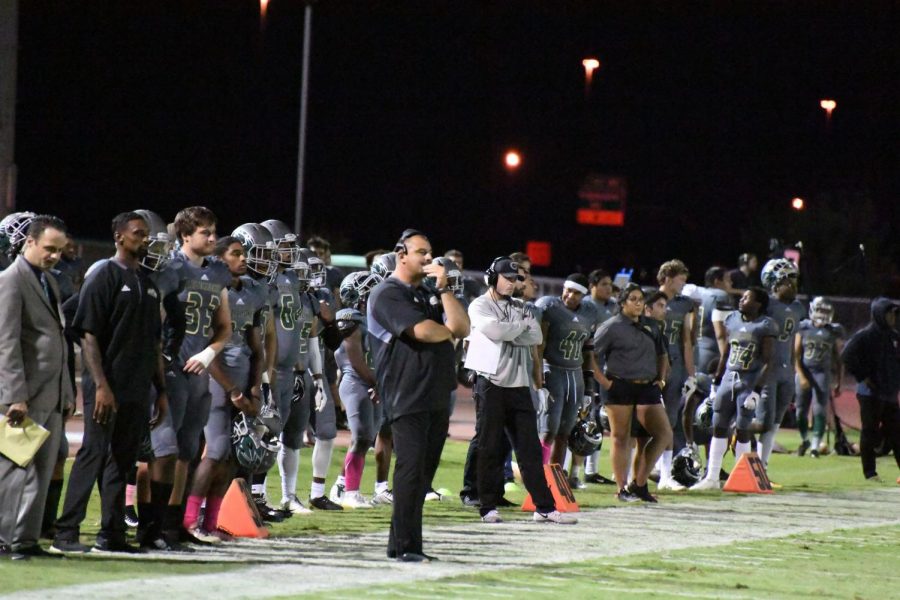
(748, 476)
(559, 487)
(238, 515)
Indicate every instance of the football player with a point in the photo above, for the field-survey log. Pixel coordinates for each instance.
(600, 284)
(779, 277)
(568, 326)
(678, 330)
(817, 358)
(289, 309)
(235, 385)
(715, 304)
(203, 296)
(747, 348)
(357, 383)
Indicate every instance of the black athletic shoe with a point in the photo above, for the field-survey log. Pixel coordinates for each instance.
(160, 544)
(109, 547)
(68, 547)
(642, 492)
(35, 551)
(131, 518)
(804, 446)
(624, 495)
(723, 475)
(323, 503)
(504, 503)
(268, 513)
(470, 501)
(598, 479)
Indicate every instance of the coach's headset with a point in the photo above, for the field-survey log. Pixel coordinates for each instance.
(491, 275)
(400, 246)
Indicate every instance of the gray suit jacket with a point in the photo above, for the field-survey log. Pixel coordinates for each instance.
(33, 352)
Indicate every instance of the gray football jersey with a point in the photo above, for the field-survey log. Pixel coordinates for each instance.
(745, 340)
(567, 331)
(199, 293)
(818, 344)
(284, 298)
(711, 299)
(248, 305)
(787, 317)
(676, 310)
(343, 362)
(306, 319)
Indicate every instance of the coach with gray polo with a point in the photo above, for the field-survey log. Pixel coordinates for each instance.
(34, 381)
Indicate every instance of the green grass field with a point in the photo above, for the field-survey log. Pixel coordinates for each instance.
(853, 564)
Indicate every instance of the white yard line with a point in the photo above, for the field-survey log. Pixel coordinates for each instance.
(289, 566)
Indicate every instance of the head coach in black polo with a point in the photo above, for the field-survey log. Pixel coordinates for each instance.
(118, 319)
(415, 372)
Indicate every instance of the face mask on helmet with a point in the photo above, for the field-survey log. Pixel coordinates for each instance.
(254, 447)
(356, 287)
(686, 467)
(316, 272)
(158, 253)
(259, 259)
(586, 437)
(454, 277)
(14, 228)
(776, 271)
(822, 311)
(301, 270)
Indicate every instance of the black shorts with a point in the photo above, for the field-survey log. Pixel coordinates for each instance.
(624, 392)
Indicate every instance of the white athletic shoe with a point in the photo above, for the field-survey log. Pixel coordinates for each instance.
(433, 496)
(670, 485)
(354, 500)
(554, 517)
(383, 498)
(706, 484)
(493, 517)
(204, 537)
(293, 504)
(337, 492)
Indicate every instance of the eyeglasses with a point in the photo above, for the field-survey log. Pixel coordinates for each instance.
(512, 278)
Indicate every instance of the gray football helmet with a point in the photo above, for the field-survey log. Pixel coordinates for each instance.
(255, 447)
(160, 250)
(454, 276)
(385, 264)
(259, 246)
(821, 311)
(355, 288)
(13, 231)
(287, 243)
(777, 270)
(316, 268)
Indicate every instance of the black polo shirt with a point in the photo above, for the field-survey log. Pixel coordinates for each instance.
(120, 307)
(412, 376)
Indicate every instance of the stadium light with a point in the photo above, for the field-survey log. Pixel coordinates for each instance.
(798, 204)
(512, 160)
(590, 65)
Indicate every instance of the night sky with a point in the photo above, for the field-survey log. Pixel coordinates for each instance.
(711, 115)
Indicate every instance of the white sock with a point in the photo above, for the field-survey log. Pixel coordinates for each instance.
(316, 490)
(717, 448)
(567, 462)
(766, 443)
(288, 464)
(321, 457)
(664, 465)
(380, 486)
(340, 480)
(740, 448)
(591, 463)
(258, 489)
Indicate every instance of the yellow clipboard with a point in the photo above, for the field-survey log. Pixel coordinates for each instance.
(20, 444)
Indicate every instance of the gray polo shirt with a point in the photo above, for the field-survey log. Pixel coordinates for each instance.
(512, 323)
(630, 349)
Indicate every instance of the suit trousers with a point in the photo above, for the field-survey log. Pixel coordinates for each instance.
(23, 490)
(106, 455)
(501, 410)
(418, 442)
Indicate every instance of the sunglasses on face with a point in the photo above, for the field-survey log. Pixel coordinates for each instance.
(512, 278)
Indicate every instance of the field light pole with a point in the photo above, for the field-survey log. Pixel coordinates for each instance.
(304, 93)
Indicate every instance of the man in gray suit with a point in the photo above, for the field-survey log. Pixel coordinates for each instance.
(34, 380)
